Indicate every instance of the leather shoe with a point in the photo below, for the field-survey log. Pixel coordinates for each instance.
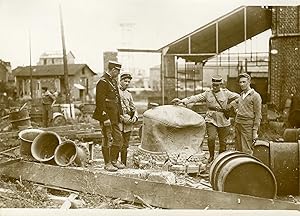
(109, 167)
(118, 164)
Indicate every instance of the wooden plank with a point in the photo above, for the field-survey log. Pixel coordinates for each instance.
(64, 131)
(154, 193)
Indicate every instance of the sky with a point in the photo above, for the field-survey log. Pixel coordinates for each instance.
(94, 26)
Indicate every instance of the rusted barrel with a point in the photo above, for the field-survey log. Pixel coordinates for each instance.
(283, 159)
(69, 153)
(291, 134)
(241, 173)
(20, 118)
(26, 138)
(44, 145)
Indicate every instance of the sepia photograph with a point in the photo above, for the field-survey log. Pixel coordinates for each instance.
(162, 107)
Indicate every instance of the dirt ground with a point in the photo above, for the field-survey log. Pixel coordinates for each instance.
(18, 193)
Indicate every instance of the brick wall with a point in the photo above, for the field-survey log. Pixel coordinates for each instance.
(285, 65)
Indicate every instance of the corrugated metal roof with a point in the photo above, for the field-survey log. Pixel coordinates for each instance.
(49, 70)
(221, 34)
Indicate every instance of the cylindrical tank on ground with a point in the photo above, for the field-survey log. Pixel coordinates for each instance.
(44, 145)
(283, 159)
(241, 173)
(70, 153)
(26, 138)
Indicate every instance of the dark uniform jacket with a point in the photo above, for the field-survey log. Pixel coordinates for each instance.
(108, 105)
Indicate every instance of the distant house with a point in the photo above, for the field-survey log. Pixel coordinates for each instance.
(52, 76)
(5, 71)
(7, 81)
(54, 58)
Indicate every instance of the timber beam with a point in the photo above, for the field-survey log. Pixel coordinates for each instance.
(154, 193)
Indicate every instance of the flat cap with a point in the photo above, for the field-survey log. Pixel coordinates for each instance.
(216, 79)
(114, 64)
(245, 75)
(125, 75)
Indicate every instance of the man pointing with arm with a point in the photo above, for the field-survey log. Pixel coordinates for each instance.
(216, 122)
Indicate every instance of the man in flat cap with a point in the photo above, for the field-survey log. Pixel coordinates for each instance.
(248, 115)
(216, 123)
(130, 115)
(108, 112)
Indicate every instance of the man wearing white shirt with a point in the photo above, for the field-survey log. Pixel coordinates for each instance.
(248, 115)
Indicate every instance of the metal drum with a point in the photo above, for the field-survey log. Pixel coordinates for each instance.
(283, 160)
(261, 151)
(69, 153)
(241, 173)
(44, 145)
(20, 119)
(26, 138)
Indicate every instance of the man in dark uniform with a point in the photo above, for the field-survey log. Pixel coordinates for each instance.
(109, 109)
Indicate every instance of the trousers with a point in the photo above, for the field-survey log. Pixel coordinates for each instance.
(47, 115)
(212, 132)
(243, 137)
(112, 133)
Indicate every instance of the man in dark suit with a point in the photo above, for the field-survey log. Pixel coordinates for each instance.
(108, 112)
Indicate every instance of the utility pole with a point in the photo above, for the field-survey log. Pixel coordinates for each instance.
(30, 68)
(66, 73)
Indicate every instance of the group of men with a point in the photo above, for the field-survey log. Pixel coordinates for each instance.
(247, 106)
(117, 113)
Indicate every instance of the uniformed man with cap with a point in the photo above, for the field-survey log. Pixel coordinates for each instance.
(130, 114)
(216, 123)
(108, 112)
(248, 115)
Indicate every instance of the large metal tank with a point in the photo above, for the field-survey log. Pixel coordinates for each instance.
(171, 133)
(283, 159)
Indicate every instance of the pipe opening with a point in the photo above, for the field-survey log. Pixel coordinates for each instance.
(65, 153)
(44, 145)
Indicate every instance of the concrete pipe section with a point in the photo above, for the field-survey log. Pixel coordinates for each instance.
(69, 153)
(44, 145)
